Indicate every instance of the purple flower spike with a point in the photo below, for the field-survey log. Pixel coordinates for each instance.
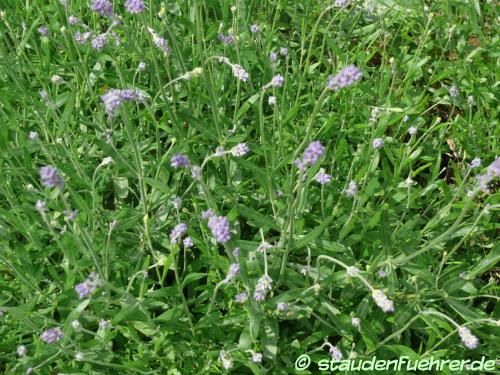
(179, 161)
(134, 6)
(322, 177)
(103, 7)
(312, 153)
(99, 42)
(177, 232)
(241, 297)
(50, 177)
(469, 340)
(346, 77)
(219, 226)
(52, 335)
(43, 31)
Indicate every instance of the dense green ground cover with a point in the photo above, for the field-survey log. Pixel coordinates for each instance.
(154, 218)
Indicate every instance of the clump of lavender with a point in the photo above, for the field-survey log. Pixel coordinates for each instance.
(254, 28)
(239, 72)
(346, 77)
(240, 149)
(219, 226)
(264, 284)
(312, 153)
(103, 7)
(99, 42)
(52, 335)
(469, 340)
(158, 41)
(178, 232)
(179, 161)
(72, 20)
(378, 143)
(284, 51)
(234, 269)
(492, 171)
(205, 215)
(352, 189)
(241, 297)
(382, 301)
(134, 6)
(50, 177)
(322, 177)
(88, 286)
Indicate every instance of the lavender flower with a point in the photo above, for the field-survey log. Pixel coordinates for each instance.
(82, 38)
(263, 246)
(378, 143)
(158, 41)
(205, 215)
(226, 39)
(475, 163)
(352, 271)
(346, 77)
(470, 100)
(257, 357)
(241, 297)
(336, 353)
(179, 161)
(41, 207)
(277, 81)
(103, 323)
(453, 91)
(273, 56)
(196, 172)
(254, 28)
(492, 171)
(134, 6)
(352, 189)
(112, 99)
(219, 151)
(219, 226)
(382, 301)
(99, 42)
(50, 177)
(33, 136)
(177, 232)
(234, 269)
(88, 286)
(382, 273)
(72, 20)
(272, 100)
(240, 149)
(188, 242)
(239, 72)
(52, 335)
(264, 284)
(322, 177)
(43, 31)
(226, 362)
(21, 351)
(103, 7)
(282, 306)
(355, 322)
(70, 214)
(311, 155)
(284, 51)
(141, 67)
(341, 3)
(412, 130)
(236, 252)
(469, 340)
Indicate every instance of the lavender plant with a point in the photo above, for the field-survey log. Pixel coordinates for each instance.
(210, 187)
